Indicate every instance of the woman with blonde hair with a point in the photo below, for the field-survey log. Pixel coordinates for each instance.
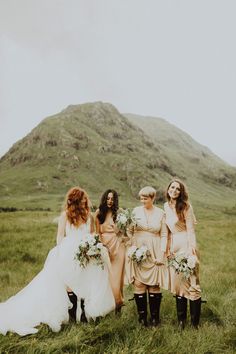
(151, 275)
(180, 220)
(45, 299)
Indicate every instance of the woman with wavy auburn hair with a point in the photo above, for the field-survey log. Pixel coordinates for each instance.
(45, 298)
(76, 212)
(180, 221)
(77, 207)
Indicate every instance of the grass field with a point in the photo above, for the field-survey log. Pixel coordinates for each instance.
(25, 239)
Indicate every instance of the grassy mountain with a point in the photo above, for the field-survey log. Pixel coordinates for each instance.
(205, 172)
(95, 146)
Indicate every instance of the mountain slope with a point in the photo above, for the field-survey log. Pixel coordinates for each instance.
(92, 145)
(96, 147)
(191, 161)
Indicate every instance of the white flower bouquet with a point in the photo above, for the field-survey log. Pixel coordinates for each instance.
(90, 249)
(124, 219)
(138, 254)
(183, 264)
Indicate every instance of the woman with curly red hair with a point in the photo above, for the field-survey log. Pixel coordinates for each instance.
(76, 212)
(45, 299)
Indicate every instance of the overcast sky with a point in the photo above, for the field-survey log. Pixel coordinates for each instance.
(174, 59)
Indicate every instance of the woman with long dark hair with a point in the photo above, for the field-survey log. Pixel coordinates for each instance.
(180, 221)
(105, 221)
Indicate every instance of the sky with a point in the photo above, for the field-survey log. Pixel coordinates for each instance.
(173, 59)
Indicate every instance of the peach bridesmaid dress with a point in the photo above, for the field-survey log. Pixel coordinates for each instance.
(110, 239)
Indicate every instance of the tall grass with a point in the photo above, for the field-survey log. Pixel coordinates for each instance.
(26, 238)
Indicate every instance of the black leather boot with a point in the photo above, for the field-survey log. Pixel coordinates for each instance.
(195, 312)
(181, 307)
(154, 305)
(83, 317)
(141, 302)
(72, 311)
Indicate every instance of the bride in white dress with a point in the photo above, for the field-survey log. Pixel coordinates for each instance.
(45, 298)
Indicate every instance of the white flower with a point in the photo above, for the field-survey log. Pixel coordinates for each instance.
(139, 253)
(176, 265)
(99, 245)
(92, 241)
(183, 264)
(91, 252)
(131, 251)
(82, 244)
(122, 219)
(191, 262)
(179, 257)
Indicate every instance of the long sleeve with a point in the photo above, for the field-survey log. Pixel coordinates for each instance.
(164, 234)
(61, 228)
(190, 222)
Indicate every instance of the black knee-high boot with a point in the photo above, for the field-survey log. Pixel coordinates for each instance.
(141, 302)
(154, 305)
(195, 312)
(72, 311)
(181, 307)
(83, 317)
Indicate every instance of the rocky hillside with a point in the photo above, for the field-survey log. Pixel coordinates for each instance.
(96, 147)
(191, 161)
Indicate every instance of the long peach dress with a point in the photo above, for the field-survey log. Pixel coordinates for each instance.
(151, 232)
(182, 238)
(110, 239)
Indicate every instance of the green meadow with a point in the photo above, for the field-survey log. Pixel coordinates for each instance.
(27, 236)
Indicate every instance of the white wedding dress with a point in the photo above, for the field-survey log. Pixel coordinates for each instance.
(45, 299)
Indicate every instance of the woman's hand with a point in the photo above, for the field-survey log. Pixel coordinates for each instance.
(168, 254)
(160, 261)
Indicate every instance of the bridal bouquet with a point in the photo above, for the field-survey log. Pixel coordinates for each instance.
(90, 249)
(183, 264)
(138, 254)
(124, 219)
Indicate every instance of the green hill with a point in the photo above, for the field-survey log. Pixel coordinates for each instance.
(96, 147)
(206, 174)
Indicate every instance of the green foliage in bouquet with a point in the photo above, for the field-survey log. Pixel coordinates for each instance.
(125, 218)
(138, 254)
(90, 249)
(183, 264)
